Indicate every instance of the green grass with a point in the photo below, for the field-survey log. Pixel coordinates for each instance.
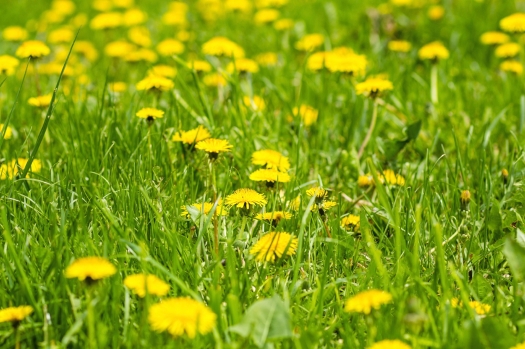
(107, 188)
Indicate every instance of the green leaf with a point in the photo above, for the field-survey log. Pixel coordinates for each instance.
(494, 221)
(392, 148)
(412, 130)
(515, 255)
(264, 321)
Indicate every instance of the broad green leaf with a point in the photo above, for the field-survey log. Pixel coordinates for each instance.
(515, 256)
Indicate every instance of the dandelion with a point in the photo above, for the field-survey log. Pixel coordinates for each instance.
(40, 101)
(514, 23)
(267, 59)
(245, 199)
(274, 216)
(107, 20)
(390, 344)
(271, 159)
(163, 70)
(192, 136)
(346, 61)
(434, 51)
(512, 66)
(295, 204)
(14, 33)
(133, 17)
(214, 146)
(351, 222)
(519, 346)
(214, 80)
(170, 47)
(155, 83)
(15, 314)
(504, 174)
(150, 114)
(61, 36)
(266, 16)
(221, 46)
(182, 316)
(118, 49)
(86, 49)
(366, 301)
(309, 42)
(141, 55)
(399, 46)
(391, 178)
(307, 113)
(436, 12)
(8, 131)
(273, 246)
(140, 36)
(33, 49)
(117, 86)
(494, 38)
(508, 50)
(205, 208)
(15, 167)
(317, 192)
(256, 103)
(8, 64)
(199, 66)
(242, 65)
(270, 176)
(365, 180)
(465, 197)
(283, 24)
(90, 269)
(373, 87)
(323, 207)
(141, 284)
(478, 307)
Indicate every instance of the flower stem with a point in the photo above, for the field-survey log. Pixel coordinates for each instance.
(17, 337)
(91, 319)
(434, 84)
(215, 214)
(370, 131)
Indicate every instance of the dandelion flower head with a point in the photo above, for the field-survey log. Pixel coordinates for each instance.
(221, 46)
(40, 101)
(90, 268)
(307, 113)
(508, 50)
(364, 302)
(192, 136)
(434, 51)
(309, 42)
(141, 284)
(399, 46)
(14, 33)
(271, 159)
(155, 83)
(182, 316)
(245, 198)
(512, 66)
(214, 145)
(273, 246)
(8, 64)
(242, 65)
(274, 216)
(350, 222)
(270, 175)
(514, 23)
(373, 87)
(32, 49)
(494, 38)
(15, 314)
(390, 344)
(150, 113)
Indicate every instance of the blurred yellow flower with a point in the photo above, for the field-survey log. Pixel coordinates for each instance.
(140, 36)
(267, 59)
(514, 23)
(269, 176)
(32, 49)
(364, 302)
(170, 47)
(494, 38)
(214, 80)
(141, 55)
(107, 20)
(373, 87)
(390, 344)
(181, 316)
(40, 101)
(436, 12)
(256, 103)
(512, 66)
(242, 65)
(133, 17)
(399, 46)
(90, 269)
(199, 66)
(155, 83)
(150, 114)
(8, 64)
(266, 16)
(14, 33)
(271, 159)
(245, 198)
(15, 314)
(221, 46)
(163, 70)
(351, 222)
(274, 216)
(118, 49)
(283, 24)
(61, 36)
(310, 42)
(87, 49)
(117, 86)
(192, 136)
(307, 113)
(141, 284)
(434, 51)
(8, 131)
(508, 50)
(205, 208)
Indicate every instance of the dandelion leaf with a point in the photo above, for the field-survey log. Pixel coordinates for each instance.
(515, 255)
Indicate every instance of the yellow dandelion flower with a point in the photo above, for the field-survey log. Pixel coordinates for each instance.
(514, 23)
(170, 47)
(214, 146)
(40, 101)
(245, 198)
(436, 12)
(133, 17)
(61, 36)
(256, 103)
(141, 284)
(242, 6)
(86, 49)
(118, 49)
(267, 59)
(307, 113)
(508, 50)
(155, 83)
(390, 344)
(192, 136)
(32, 49)
(214, 80)
(346, 62)
(373, 87)
(392, 178)
(351, 222)
(273, 246)
(323, 206)
(479, 308)
(14, 33)
(16, 166)
(317, 192)
(199, 66)
(365, 180)
(504, 172)
(163, 70)
(8, 131)
(310, 42)
(150, 114)
(494, 38)
(295, 204)
(141, 55)
(434, 51)
(274, 216)
(519, 346)
(270, 176)
(106, 20)
(399, 46)
(221, 46)
(181, 316)
(242, 65)
(271, 159)
(205, 208)
(8, 64)
(364, 302)
(465, 196)
(283, 24)
(123, 3)
(117, 86)
(266, 16)
(90, 269)
(512, 66)
(15, 314)
(317, 61)
(140, 36)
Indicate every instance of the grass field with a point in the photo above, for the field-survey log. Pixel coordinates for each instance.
(389, 214)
